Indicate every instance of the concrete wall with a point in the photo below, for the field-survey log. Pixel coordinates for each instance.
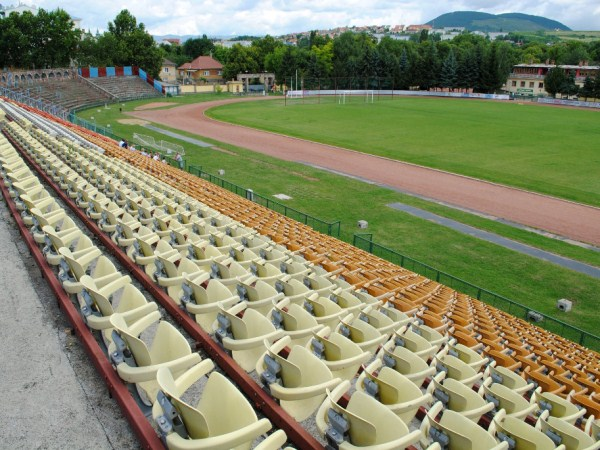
(193, 89)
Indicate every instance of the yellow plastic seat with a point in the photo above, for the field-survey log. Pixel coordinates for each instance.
(229, 272)
(245, 336)
(514, 404)
(557, 406)
(169, 349)
(366, 336)
(124, 236)
(458, 397)
(244, 257)
(72, 238)
(405, 337)
(564, 433)
(97, 304)
(201, 297)
(89, 261)
(297, 323)
(363, 423)
(170, 271)
(406, 362)
(258, 295)
(455, 432)
(385, 318)
(296, 270)
(466, 355)
(508, 378)
(326, 312)
(221, 420)
(518, 434)
(109, 218)
(457, 369)
(394, 390)
(347, 301)
(202, 253)
(54, 217)
(340, 354)
(299, 381)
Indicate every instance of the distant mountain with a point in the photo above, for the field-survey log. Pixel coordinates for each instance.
(478, 21)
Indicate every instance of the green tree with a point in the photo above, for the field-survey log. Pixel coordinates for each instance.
(240, 60)
(554, 81)
(449, 72)
(587, 90)
(195, 47)
(569, 88)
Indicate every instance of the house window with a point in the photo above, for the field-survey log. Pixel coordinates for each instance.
(531, 84)
(514, 83)
(166, 69)
(206, 73)
(220, 72)
(522, 84)
(541, 85)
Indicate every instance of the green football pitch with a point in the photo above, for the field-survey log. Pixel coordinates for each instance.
(527, 280)
(544, 149)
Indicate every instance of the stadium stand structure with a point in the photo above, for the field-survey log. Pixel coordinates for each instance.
(125, 87)
(201, 250)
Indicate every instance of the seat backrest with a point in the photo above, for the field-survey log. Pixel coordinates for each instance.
(506, 377)
(138, 347)
(572, 437)
(297, 318)
(463, 434)
(507, 399)
(525, 436)
(406, 361)
(378, 319)
(455, 368)
(559, 406)
(461, 397)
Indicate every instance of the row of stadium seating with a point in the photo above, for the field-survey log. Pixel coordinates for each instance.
(331, 329)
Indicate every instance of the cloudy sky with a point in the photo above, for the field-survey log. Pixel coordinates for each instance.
(276, 17)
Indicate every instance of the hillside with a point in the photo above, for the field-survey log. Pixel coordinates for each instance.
(478, 21)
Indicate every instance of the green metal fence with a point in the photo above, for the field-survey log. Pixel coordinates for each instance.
(330, 228)
(365, 242)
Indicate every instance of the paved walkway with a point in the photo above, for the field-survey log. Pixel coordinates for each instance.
(577, 266)
(52, 396)
(572, 220)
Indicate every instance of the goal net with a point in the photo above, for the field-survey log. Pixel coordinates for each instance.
(355, 96)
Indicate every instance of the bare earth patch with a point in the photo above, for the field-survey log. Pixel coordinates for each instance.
(133, 122)
(154, 106)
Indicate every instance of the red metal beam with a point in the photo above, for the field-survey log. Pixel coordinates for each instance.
(138, 421)
(261, 399)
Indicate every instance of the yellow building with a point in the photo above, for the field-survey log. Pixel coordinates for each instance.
(528, 79)
(203, 69)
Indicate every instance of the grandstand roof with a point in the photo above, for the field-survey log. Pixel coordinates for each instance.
(202, 63)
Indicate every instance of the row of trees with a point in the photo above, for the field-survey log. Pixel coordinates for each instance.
(557, 81)
(49, 39)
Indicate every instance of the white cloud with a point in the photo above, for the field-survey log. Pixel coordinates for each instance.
(275, 17)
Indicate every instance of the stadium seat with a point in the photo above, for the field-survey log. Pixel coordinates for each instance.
(244, 336)
(557, 406)
(258, 295)
(518, 434)
(74, 266)
(170, 271)
(514, 404)
(340, 354)
(455, 432)
(202, 296)
(296, 322)
(459, 397)
(222, 419)
(361, 333)
(456, 369)
(564, 433)
(405, 337)
(508, 378)
(326, 312)
(137, 363)
(386, 319)
(466, 355)
(397, 392)
(298, 381)
(363, 423)
(406, 362)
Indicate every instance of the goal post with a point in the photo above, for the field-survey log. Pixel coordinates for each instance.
(367, 95)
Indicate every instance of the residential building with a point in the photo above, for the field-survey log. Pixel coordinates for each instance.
(203, 69)
(168, 72)
(528, 79)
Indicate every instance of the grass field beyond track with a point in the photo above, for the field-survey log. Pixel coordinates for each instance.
(529, 281)
(538, 148)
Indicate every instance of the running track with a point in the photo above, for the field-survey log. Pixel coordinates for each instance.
(562, 217)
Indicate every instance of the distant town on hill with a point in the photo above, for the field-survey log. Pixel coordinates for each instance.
(448, 25)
